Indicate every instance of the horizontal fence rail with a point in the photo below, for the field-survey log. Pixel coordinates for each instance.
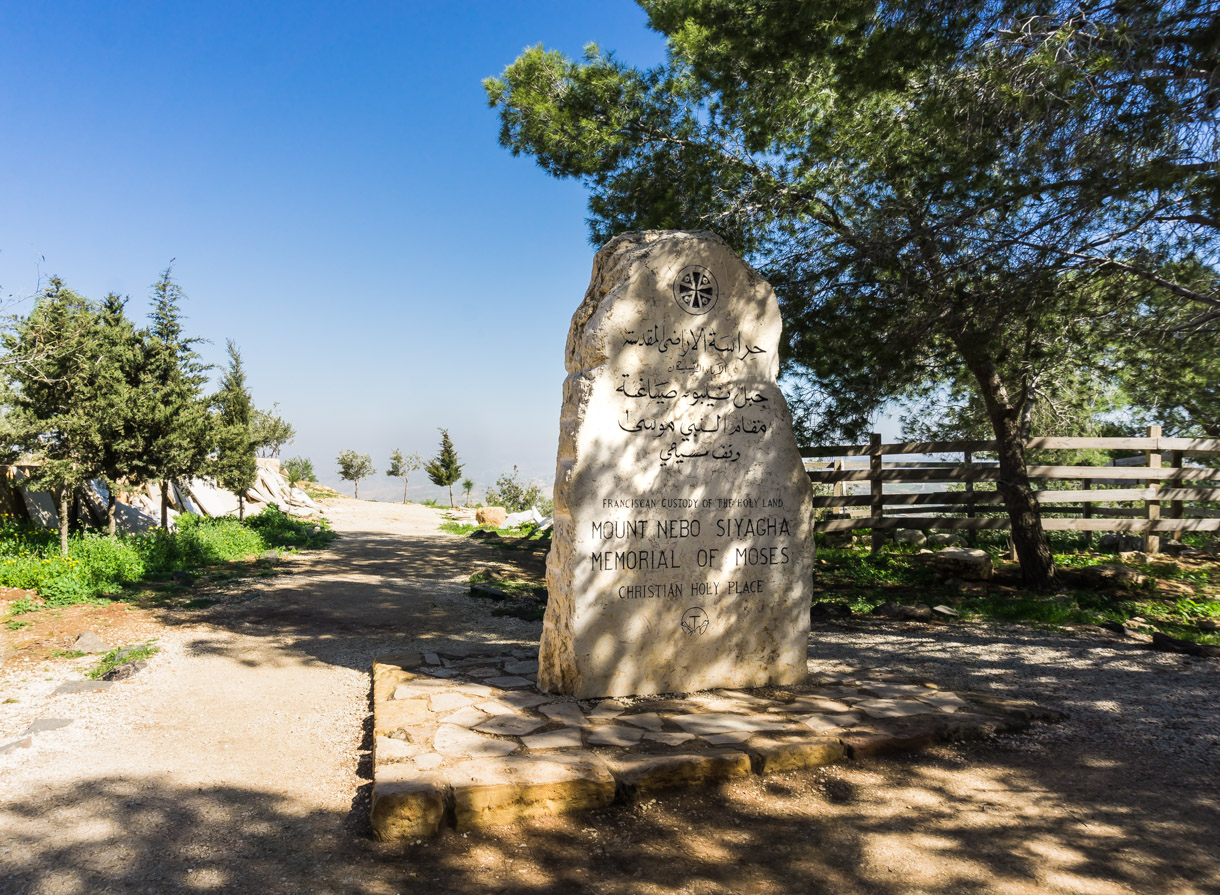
(1126, 496)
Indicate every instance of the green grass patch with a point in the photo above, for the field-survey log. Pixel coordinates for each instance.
(864, 582)
(16, 624)
(66, 654)
(516, 588)
(97, 566)
(122, 655)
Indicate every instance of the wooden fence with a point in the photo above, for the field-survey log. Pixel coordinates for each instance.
(1121, 497)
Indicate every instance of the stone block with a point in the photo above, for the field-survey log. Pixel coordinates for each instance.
(458, 742)
(511, 725)
(498, 792)
(613, 735)
(387, 750)
(510, 682)
(713, 723)
(564, 738)
(406, 807)
(773, 756)
(493, 516)
(401, 714)
(642, 775)
(565, 712)
(684, 562)
(963, 563)
(82, 687)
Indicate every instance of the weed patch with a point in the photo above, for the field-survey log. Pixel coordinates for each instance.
(864, 582)
(121, 656)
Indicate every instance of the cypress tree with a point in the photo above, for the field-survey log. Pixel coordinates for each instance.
(115, 400)
(55, 358)
(444, 469)
(234, 467)
(174, 423)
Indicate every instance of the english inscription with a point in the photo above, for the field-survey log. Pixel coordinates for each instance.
(681, 553)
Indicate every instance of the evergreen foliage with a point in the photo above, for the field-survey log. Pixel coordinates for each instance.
(116, 400)
(234, 466)
(958, 194)
(52, 419)
(353, 467)
(172, 415)
(299, 469)
(444, 469)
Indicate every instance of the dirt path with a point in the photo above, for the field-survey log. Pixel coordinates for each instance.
(238, 762)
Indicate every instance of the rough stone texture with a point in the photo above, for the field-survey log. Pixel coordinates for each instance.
(406, 807)
(682, 551)
(771, 756)
(82, 687)
(1112, 575)
(533, 755)
(500, 792)
(961, 562)
(642, 775)
(89, 642)
(493, 516)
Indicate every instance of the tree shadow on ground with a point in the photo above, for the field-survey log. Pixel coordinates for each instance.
(936, 823)
(370, 592)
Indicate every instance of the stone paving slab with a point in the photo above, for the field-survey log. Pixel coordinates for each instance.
(451, 750)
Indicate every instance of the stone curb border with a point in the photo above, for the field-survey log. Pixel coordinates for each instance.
(464, 740)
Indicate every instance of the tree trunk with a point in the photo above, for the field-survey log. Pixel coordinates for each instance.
(63, 521)
(1024, 515)
(165, 505)
(241, 507)
(404, 489)
(356, 488)
(451, 495)
(112, 505)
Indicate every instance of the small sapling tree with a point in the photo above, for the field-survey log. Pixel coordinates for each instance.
(299, 469)
(234, 466)
(445, 469)
(403, 466)
(353, 467)
(467, 487)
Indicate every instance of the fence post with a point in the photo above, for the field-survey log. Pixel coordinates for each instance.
(1087, 513)
(1152, 508)
(877, 505)
(972, 536)
(1175, 506)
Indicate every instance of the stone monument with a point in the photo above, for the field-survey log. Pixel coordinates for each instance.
(683, 544)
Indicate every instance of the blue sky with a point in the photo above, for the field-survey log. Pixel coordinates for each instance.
(328, 180)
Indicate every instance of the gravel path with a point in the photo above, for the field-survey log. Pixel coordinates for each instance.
(238, 762)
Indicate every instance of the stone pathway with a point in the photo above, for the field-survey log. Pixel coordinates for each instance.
(464, 739)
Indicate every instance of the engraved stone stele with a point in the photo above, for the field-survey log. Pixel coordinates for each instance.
(683, 543)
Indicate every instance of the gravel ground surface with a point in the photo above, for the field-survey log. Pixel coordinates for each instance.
(238, 762)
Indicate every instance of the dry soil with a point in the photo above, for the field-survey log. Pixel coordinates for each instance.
(238, 761)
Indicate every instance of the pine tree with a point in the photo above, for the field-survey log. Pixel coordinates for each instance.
(55, 355)
(173, 418)
(234, 467)
(445, 469)
(114, 401)
(403, 466)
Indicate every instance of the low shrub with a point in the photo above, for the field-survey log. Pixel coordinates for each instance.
(278, 529)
